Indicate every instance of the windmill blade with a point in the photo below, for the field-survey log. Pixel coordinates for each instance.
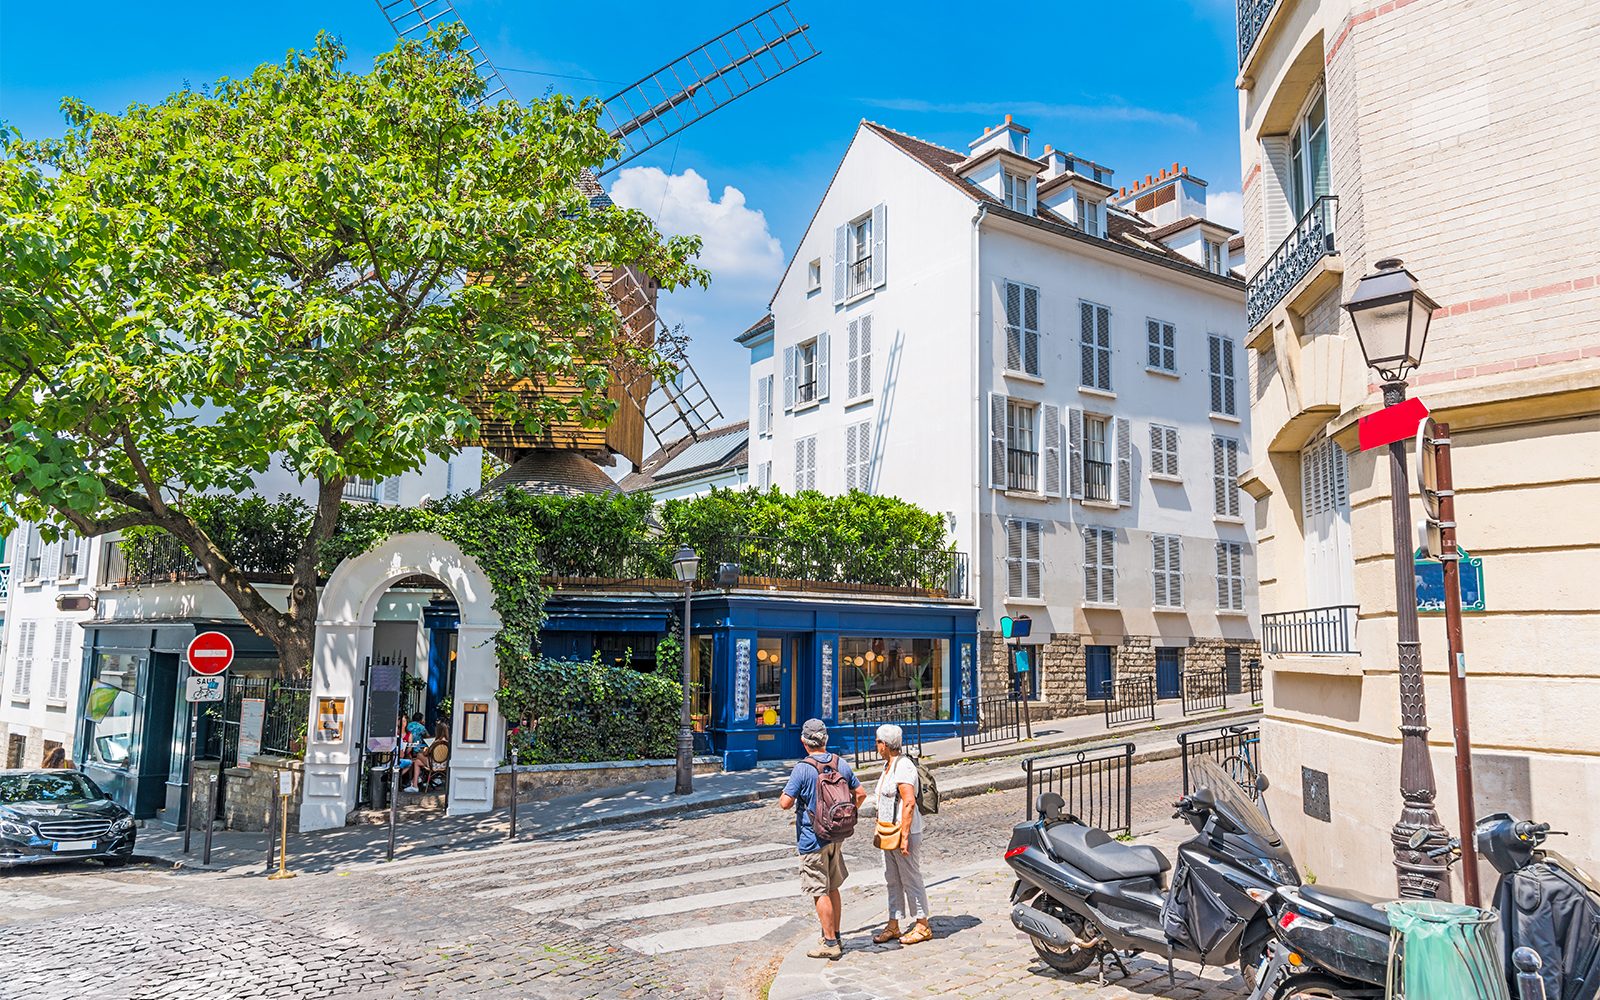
(413, 19)
(699, 82)
(681, 402)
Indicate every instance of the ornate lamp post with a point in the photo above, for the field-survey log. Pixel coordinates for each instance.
(1391, 315)
(685, 565)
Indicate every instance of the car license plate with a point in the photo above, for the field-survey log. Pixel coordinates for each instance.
(74, 845)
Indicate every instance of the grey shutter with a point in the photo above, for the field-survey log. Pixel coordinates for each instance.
(852, 363)
(1169, 347)
(880, 258)
(1091, 565)
(1086, 342)
(1172, 452)
(1233, 477)
(1014, 565)
(789, 354)
(1075, 453)
(1050, 432)
(1215, 344)
(997, 441)
(841, 242)
(866, 355)
(1228, 380)
(1152, 355)
(864, 455)
(1175, 569)
(811, 462)
(799, 465)
(391, 490)
(1224, 592)
(1102, 324)
(1124, 461)
(1108, 566)
(1219, 465)
(1033, 563)
(822, 366)
(1158, 446)
(764, 404)
(1158, 565)
(1236, 575)
(1013, 327)
(1030, 328)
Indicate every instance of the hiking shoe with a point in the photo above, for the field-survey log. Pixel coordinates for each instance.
(826, 950)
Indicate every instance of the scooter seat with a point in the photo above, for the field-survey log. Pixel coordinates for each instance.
(1348, 904)
(1094, 853)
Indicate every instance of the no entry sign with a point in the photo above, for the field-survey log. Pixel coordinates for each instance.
(210, 653)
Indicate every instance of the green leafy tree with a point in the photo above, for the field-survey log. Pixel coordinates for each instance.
(307, 266)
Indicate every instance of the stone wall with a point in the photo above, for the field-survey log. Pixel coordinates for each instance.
(539, 782)
(244, 800)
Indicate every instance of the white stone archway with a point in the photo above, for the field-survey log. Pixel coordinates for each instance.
(343, 644)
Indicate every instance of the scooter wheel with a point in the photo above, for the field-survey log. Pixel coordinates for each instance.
(1319, 987)
(1066, 959)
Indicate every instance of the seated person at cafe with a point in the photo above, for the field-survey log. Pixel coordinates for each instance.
(423, 762)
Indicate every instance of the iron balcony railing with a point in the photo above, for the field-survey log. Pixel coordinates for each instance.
(357, 488)
(5, 582)
(1309, 241)
(1022, 470)
(1328, 630)
(1253, 16)
(860, 274)
(1097, 480)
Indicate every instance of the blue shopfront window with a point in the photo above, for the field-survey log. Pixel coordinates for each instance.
(882, 670)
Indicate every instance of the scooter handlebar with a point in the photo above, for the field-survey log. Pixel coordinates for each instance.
(1529, 830)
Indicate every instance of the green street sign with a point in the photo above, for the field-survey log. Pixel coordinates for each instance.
(1430, 584)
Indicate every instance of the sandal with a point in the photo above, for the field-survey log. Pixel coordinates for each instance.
(917, 935)
(888, 934)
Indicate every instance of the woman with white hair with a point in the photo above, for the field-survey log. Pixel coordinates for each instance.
(900, 837)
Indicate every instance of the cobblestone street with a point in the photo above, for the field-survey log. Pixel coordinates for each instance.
(704, 905)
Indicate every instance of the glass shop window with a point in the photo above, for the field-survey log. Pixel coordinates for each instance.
(882, 673)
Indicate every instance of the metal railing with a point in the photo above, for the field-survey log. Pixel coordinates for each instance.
(860, 274)
(1096, 480)
(1219, 743)
(5, 582)
(1096, 784)
(1253, 16)
(1252, 671)
(1204, 690)
(356, 488)
(1022, 470)
(863, 728)
(805, 392)
(1135, 701)
(1309, 241)
(283, 729)
(1312, 631)
(982, 721)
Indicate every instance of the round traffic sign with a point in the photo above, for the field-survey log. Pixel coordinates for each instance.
(210, 653)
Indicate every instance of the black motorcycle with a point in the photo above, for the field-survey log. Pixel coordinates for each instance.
(1083, 897)
(1335, 942)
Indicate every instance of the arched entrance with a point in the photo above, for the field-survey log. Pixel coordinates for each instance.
(345, 641)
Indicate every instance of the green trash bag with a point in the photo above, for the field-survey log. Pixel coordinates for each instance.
(1443, 951)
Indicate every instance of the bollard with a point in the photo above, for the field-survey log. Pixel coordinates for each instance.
(1530, 984)
(272, 824)
(512, 833)
(394, 796)
(211, 812)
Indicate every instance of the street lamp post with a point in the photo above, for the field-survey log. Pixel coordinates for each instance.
(1391, 315)
(686, 565)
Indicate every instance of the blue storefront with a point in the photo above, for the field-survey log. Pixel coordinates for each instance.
(762, 664)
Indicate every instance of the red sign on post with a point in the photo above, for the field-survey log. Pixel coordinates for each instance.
(210, 653)
(1391, 424)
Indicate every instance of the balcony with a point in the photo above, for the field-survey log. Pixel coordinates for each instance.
(860, 274)
(1327, 631)
(5, 582)
(1253, 16)
(1022, 470)
(1097, 481)
(1309, 242)
(356, 488)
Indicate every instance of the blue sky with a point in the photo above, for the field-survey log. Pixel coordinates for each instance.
(1134, 93)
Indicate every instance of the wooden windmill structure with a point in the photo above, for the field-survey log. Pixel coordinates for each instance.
(641, 116)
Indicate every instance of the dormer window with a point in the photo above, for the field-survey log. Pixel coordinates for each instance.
(1089, 217)
(1016, 192)
(1216, 257)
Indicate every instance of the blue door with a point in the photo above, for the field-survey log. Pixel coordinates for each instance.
(1097, 674)
(1169, 673)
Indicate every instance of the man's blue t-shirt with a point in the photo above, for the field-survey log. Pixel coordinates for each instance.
(802, 787)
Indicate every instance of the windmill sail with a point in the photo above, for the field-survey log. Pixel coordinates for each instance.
(699, 82)
(413, 19)
(680, 405)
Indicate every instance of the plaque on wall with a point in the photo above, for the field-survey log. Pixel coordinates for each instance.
(827, 680)
(1314, 793)
(475, 722)
(741, 680)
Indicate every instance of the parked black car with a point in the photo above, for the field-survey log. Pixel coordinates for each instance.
(60, 816)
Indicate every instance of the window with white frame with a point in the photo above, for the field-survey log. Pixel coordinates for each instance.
(764, 405)
(1016, 192)
(805, 463)
(71, 555)
(1022, 328)
(1230, 576)
(858, 366)
(362, 488)
(860, 254)
(22, 672)
(1022, 454)
(1216, 257)
(814, 275)
(1024, 565)
(805, 386)
(859, 260)
(1161, 350)
(1308, 157)
(32, 555)
(1223, 383)
(1225, 476)
(1089, 216)
(1099, 566)
(1163, 450)
(1167, 565)
(1097, 458)
(60, 660)
(1094, 322)
(858, 456)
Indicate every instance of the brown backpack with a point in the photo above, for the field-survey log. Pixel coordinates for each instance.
(833, 812)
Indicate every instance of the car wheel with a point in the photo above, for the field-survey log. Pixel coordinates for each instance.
(1068, 959)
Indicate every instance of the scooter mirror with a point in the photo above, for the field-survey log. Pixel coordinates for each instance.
(1205, 798)
(1418, 837)
(1262, 784)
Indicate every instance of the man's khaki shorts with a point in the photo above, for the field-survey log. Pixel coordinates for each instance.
(823, 871)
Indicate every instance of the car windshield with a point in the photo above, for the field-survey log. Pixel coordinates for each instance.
(1232, 800)
(65, 786)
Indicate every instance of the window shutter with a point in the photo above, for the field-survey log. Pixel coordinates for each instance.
(1158, 557)
(1086, 339)
(1275, 217)
(866, 355)
(1228, 380)
(1158, 450)
(58, 662)
(822, 366)
(880, 259)
(850, 457)
(1172, 452)
(1153, 348)
(1233, 477)
(1075, 453)
(50, 565)
(1225, 475)
(811, 462)
(1013, 327)
(1102, 322)
(764, 404)
(1091, 565)
(1031, 532)
(1030, 330)
(789, 356)
(1108, 566)
(997, 441)
(799, 465)
(1124, 434)
(852, 363)
(391, 490)
(841, 245)
(1014, 570)
(1169, 347)
(864, 455)
(1050, 432)
(1236, 575)
(22, 682)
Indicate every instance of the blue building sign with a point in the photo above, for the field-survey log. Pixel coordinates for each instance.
(1430, 585)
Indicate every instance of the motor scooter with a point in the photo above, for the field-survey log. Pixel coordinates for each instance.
(1335, 942)
(1082, 897)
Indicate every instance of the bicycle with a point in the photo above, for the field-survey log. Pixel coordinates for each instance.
(1241, 767)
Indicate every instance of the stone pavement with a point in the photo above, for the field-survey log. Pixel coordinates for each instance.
(977, 953)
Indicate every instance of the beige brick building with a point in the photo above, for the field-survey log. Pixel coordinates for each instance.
(1461, 138)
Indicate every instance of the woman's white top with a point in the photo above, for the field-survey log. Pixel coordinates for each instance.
(903, 772)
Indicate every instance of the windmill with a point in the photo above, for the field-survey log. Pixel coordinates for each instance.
(640, 117)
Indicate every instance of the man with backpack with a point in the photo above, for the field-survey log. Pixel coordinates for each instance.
(826, 798)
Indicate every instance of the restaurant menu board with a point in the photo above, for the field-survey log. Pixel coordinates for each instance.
(330, 720)
(741, 680)
(383, 705)
(475, 722)
(252, 719)
(827, 680)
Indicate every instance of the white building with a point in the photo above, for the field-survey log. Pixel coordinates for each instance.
(987, 334)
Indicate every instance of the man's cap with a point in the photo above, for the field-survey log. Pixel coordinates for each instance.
(813, 730)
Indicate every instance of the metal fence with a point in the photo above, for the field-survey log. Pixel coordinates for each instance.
(1252, 672)
(286, 715)
(1134, 701)
(863, 728)
(1312, 631)
(982, 721)
(1221, 743)
(1096, 784)
(1204, 690)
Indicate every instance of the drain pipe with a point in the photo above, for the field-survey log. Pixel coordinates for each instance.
(980, 443)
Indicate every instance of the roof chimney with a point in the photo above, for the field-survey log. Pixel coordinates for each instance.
(1010, 136)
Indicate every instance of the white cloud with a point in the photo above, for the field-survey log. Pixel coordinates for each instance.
(737, 246)
(1226, 207)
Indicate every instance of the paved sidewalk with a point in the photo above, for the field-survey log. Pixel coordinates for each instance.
(976, 953)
